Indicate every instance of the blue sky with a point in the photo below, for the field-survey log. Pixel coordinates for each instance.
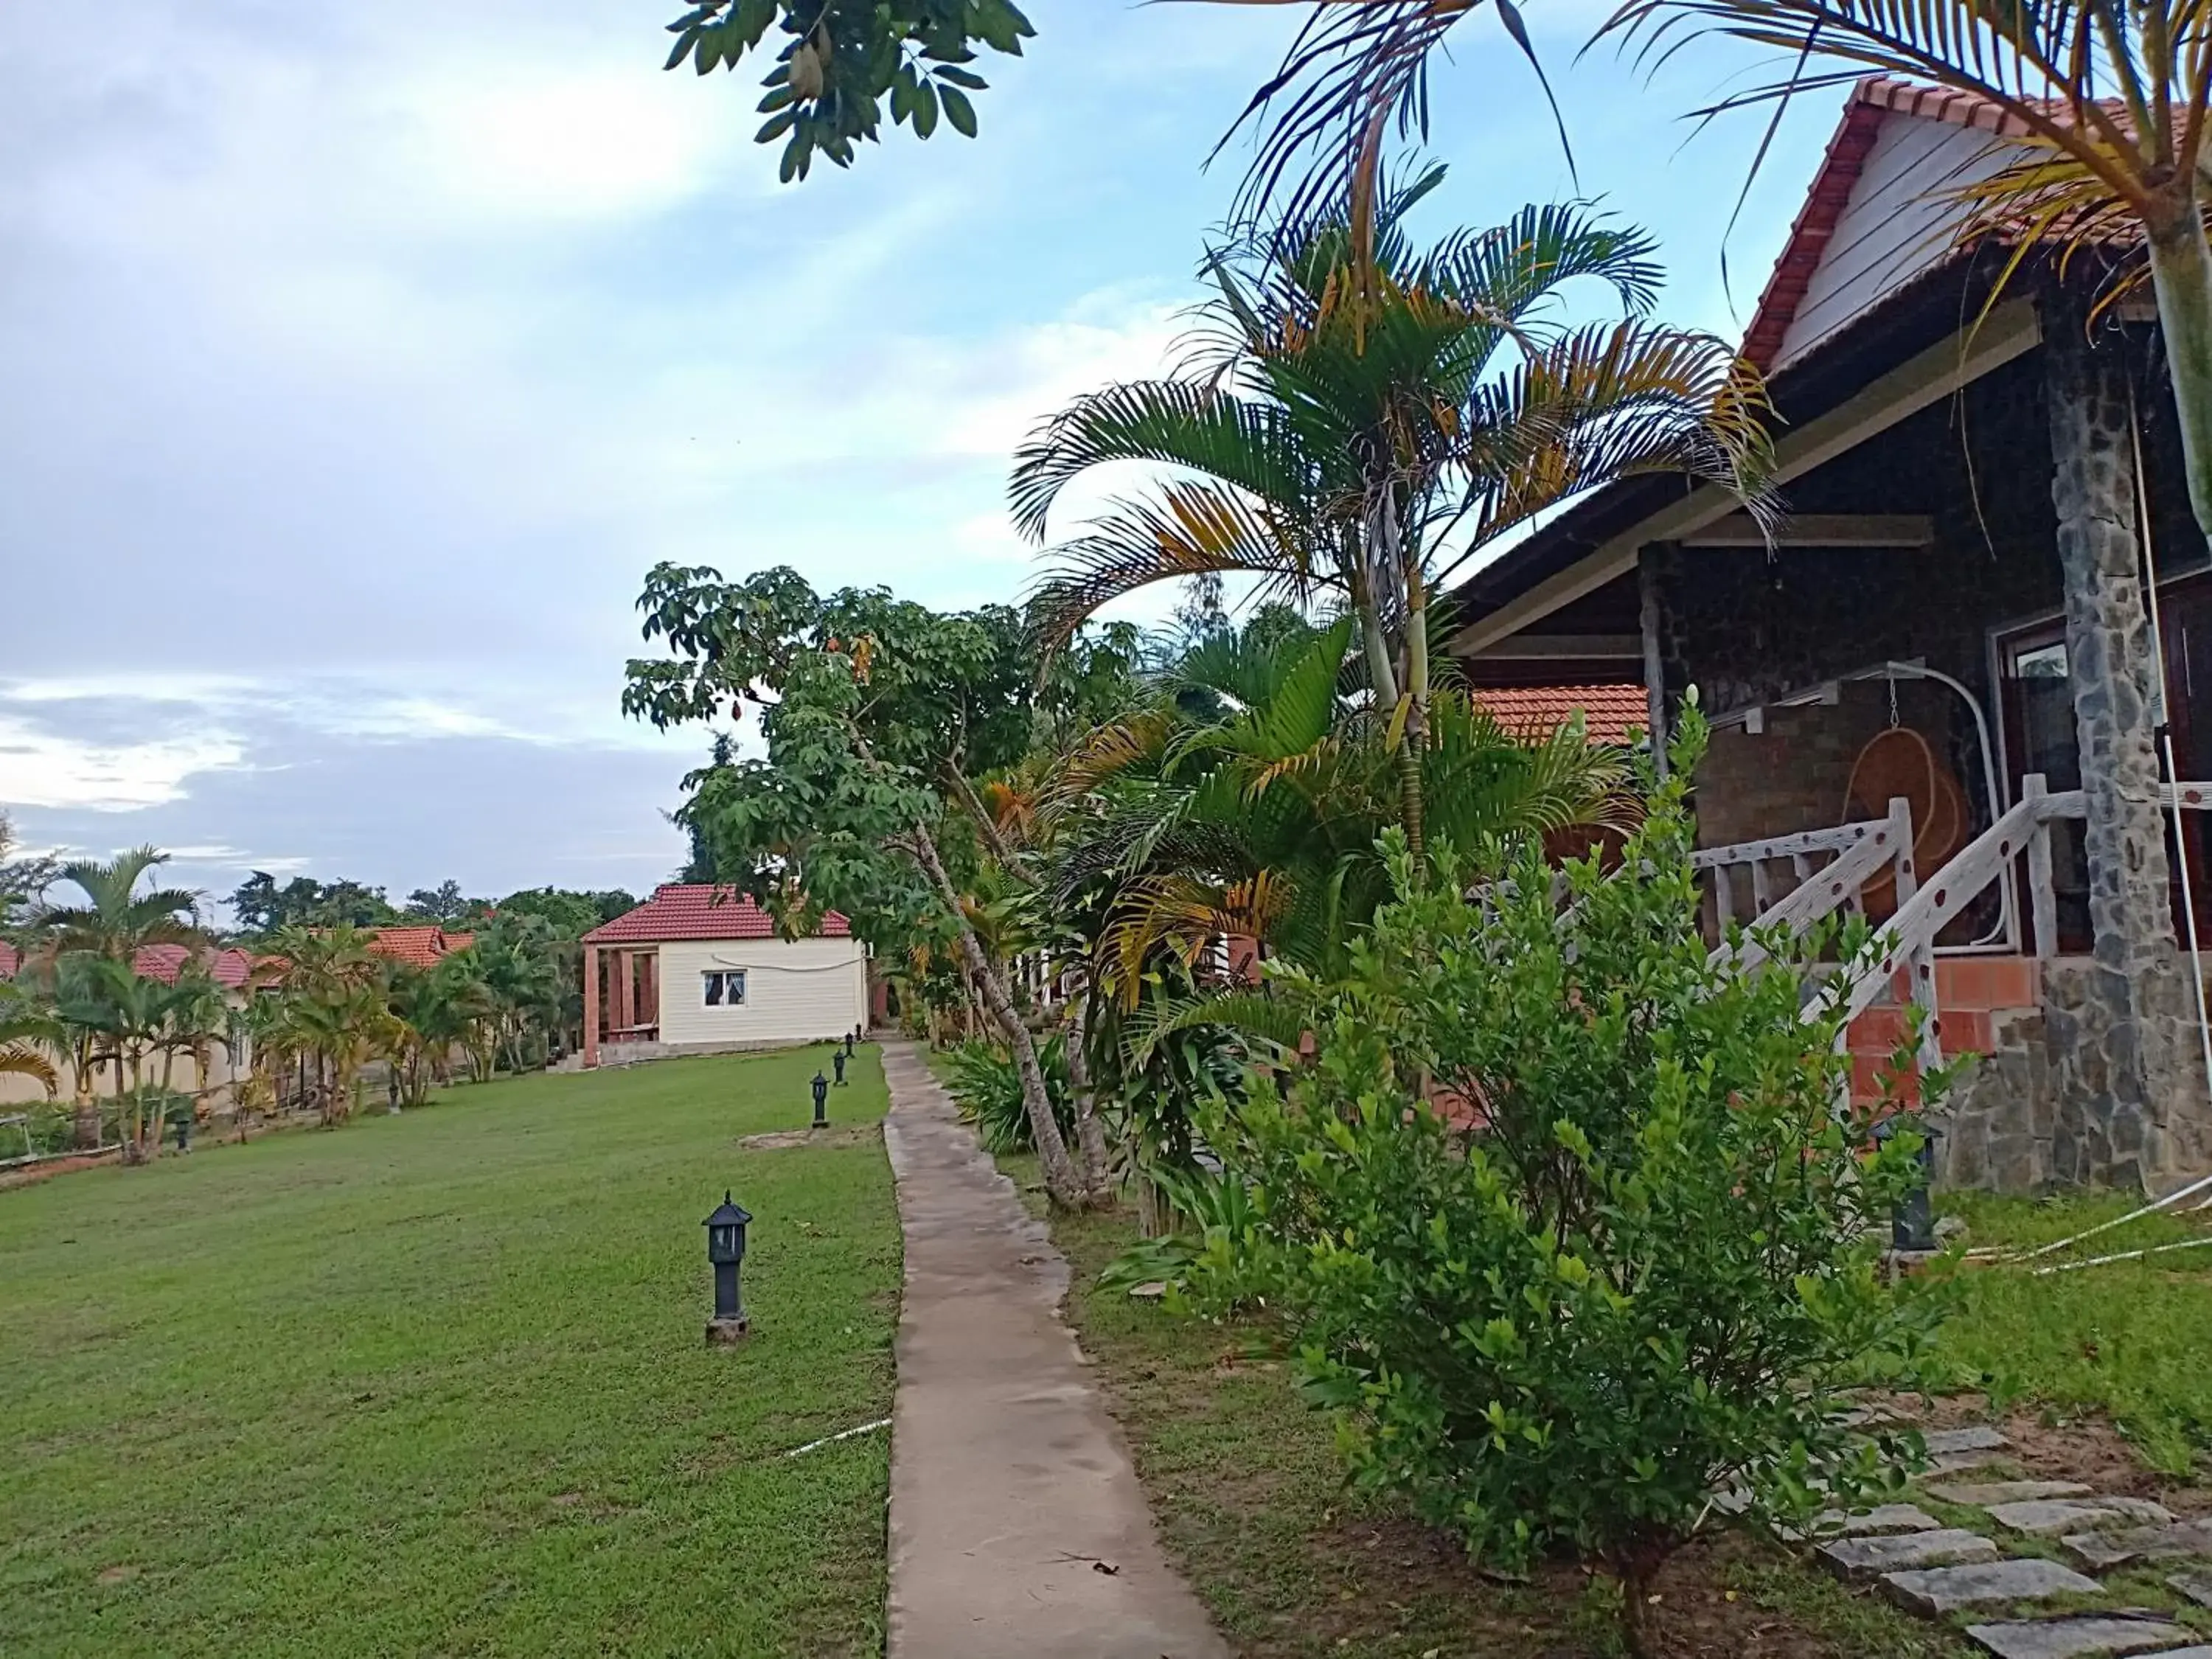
(358, 359)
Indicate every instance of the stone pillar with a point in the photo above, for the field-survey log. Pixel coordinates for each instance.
(2143, 1121)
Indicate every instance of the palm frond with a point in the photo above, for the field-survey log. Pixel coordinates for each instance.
(1171, 422)
(1196, 529)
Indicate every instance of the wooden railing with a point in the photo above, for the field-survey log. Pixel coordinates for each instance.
(1861, 852)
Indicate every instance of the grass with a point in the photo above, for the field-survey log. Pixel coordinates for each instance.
(2131, 1339)
(1249, 1496)
(437, 1384)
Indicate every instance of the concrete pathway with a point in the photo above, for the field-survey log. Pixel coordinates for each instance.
(1017, 1529)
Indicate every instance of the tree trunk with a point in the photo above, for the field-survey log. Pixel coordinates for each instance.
(1097, 1173)
(1415, 739)
(1062, 1184)
(2181, 276)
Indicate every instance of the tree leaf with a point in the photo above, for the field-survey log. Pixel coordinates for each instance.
(958, 110)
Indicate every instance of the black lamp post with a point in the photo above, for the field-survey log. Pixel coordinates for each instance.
(837, 1065)
(1913, 1223)
(851, 1038)
(726, 1249)
(821, 1087)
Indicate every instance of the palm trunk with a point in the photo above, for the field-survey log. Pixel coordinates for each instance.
(1414, 741)
(1062, 1182)
(1090, 1131)
(2181, 274)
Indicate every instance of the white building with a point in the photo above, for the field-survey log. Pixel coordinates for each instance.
(699, 970)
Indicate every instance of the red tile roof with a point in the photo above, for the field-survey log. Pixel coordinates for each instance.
(228, 967)
(418, 947)
(1609, 712)
(682, 911)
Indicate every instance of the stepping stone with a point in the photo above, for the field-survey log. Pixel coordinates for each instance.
(2094, 1634)
(2098, 1551)
(1882, 1518)
(2197, 1586)
(2200, 1651)
(1983, 1496)
(1864, 1557)
(1946, 1590)
(2045, 1515)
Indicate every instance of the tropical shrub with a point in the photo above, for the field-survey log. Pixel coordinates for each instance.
(1565, 1221)
(988, 1088)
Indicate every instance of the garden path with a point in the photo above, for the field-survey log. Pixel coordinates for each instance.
(1017, 1528)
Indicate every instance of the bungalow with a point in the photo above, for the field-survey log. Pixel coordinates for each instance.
(703, 970)
(1961, 690)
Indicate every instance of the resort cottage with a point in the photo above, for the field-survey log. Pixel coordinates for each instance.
(701, 969)
(1945, 697)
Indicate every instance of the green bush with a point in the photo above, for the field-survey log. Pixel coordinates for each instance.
(1635, 1263)
(988, 1089)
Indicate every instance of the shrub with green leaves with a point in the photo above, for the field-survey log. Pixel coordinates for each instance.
(987, 1088)
(1566, 1222)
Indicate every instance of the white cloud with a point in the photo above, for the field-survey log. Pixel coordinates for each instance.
(43, 767)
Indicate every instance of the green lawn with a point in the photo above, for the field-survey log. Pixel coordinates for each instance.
(2132, 1340)
(436, 1384)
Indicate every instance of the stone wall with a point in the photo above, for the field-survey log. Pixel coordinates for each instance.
(2053, 1104)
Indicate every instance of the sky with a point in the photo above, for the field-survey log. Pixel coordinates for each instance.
(358, 361)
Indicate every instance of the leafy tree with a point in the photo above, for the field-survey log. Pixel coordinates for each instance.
(23, 881)
(841, 62)
(877, 715)
(1565, 1221)
(570, 915)
(445, 902)
(263, 908)
(1367, 417)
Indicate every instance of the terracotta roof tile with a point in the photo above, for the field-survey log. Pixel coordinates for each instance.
(418, 947)
(683, 911)
(1609, 712)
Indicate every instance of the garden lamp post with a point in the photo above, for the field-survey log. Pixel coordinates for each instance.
(726, 1249)
(837, 1065)
(851, 1038)
(1913, 1223)
(821, 1087)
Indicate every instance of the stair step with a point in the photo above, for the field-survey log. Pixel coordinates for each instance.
(2091, 1636)
(1866, 1557)
(1938, 1591)
(2041, 1517)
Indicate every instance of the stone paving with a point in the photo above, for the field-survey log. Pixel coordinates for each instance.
(1942, 1571)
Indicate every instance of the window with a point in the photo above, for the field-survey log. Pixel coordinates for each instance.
(723, 987)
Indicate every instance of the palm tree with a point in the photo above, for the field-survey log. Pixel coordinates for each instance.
(25, 1028)
(117, 921)
(2100, 117)
(1262, 819)
(1363, 418)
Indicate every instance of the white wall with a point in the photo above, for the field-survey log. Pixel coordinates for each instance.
(796, 991)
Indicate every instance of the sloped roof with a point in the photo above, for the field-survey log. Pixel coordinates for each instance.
(1609, 712)
(228, 967)
(418, 947)
(680, 910)
(1873, 102)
